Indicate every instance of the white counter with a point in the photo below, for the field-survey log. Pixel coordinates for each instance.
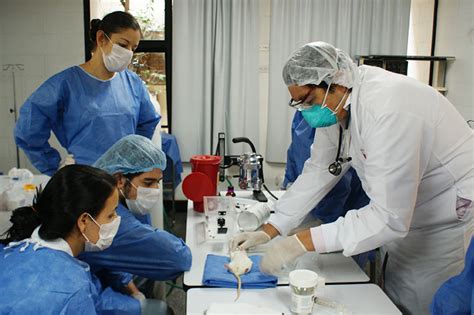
(363, 299)
(335, 267)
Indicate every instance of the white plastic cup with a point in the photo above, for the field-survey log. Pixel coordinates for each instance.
(253, 217)
(303, 284)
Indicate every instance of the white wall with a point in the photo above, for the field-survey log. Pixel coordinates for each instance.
(44, 35)
(419, 38)
(455, 37)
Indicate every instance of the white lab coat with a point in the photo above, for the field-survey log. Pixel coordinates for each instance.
(414, 154)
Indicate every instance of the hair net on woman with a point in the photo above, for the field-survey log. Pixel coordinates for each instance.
(132, 154)
(319, 62)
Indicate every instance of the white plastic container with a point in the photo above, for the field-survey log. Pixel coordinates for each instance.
(253, 217)
(303, 284)
(16, 196)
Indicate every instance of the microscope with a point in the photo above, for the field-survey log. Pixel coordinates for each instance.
(250, 166)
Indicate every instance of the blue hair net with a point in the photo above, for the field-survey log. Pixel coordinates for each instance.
(132, 154)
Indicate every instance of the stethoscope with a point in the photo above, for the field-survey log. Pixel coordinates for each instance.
(335, 168)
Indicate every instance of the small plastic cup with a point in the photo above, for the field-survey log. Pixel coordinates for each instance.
(303, 284)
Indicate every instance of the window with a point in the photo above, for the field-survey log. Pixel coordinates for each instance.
(152, 59)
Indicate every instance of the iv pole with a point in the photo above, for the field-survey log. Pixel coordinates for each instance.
(19, 67)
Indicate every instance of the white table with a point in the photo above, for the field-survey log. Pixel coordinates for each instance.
(334, 267)
(4, 183)
(360, 299)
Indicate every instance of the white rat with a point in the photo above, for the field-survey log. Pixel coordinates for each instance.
(239, 264)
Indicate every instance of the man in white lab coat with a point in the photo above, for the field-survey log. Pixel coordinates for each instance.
(414, 154)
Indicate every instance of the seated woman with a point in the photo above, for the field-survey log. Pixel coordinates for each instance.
(40, 274)
(138, 249)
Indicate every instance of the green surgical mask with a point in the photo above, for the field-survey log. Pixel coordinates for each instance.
(318, 116)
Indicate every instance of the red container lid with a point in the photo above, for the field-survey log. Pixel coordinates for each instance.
(206, 159)
(197, 185)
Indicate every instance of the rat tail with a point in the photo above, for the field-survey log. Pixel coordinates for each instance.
(239, 284)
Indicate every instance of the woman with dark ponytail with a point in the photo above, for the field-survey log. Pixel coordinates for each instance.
(91, 106)
(39, 272)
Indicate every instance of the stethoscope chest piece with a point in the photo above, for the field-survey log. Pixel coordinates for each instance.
(335, 168)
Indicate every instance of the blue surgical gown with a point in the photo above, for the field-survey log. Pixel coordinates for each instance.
(47, 281)
(456, 296)
(169, 145)
(346, 195)
(117, 280)
(141, 250)
(87, 115)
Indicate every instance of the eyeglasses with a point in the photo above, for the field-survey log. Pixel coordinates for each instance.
(302, 104)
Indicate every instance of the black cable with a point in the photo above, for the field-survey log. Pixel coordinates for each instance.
(339, 144)
(384, 267)
(226, 166)
(335, 168)
(268, 190)
(433, 39)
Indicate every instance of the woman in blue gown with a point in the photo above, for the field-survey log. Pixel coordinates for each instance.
(40, 274)
(91, 106)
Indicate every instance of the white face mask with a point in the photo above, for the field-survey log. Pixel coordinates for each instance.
(146, 200)
(107, 232)
(118, 59)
